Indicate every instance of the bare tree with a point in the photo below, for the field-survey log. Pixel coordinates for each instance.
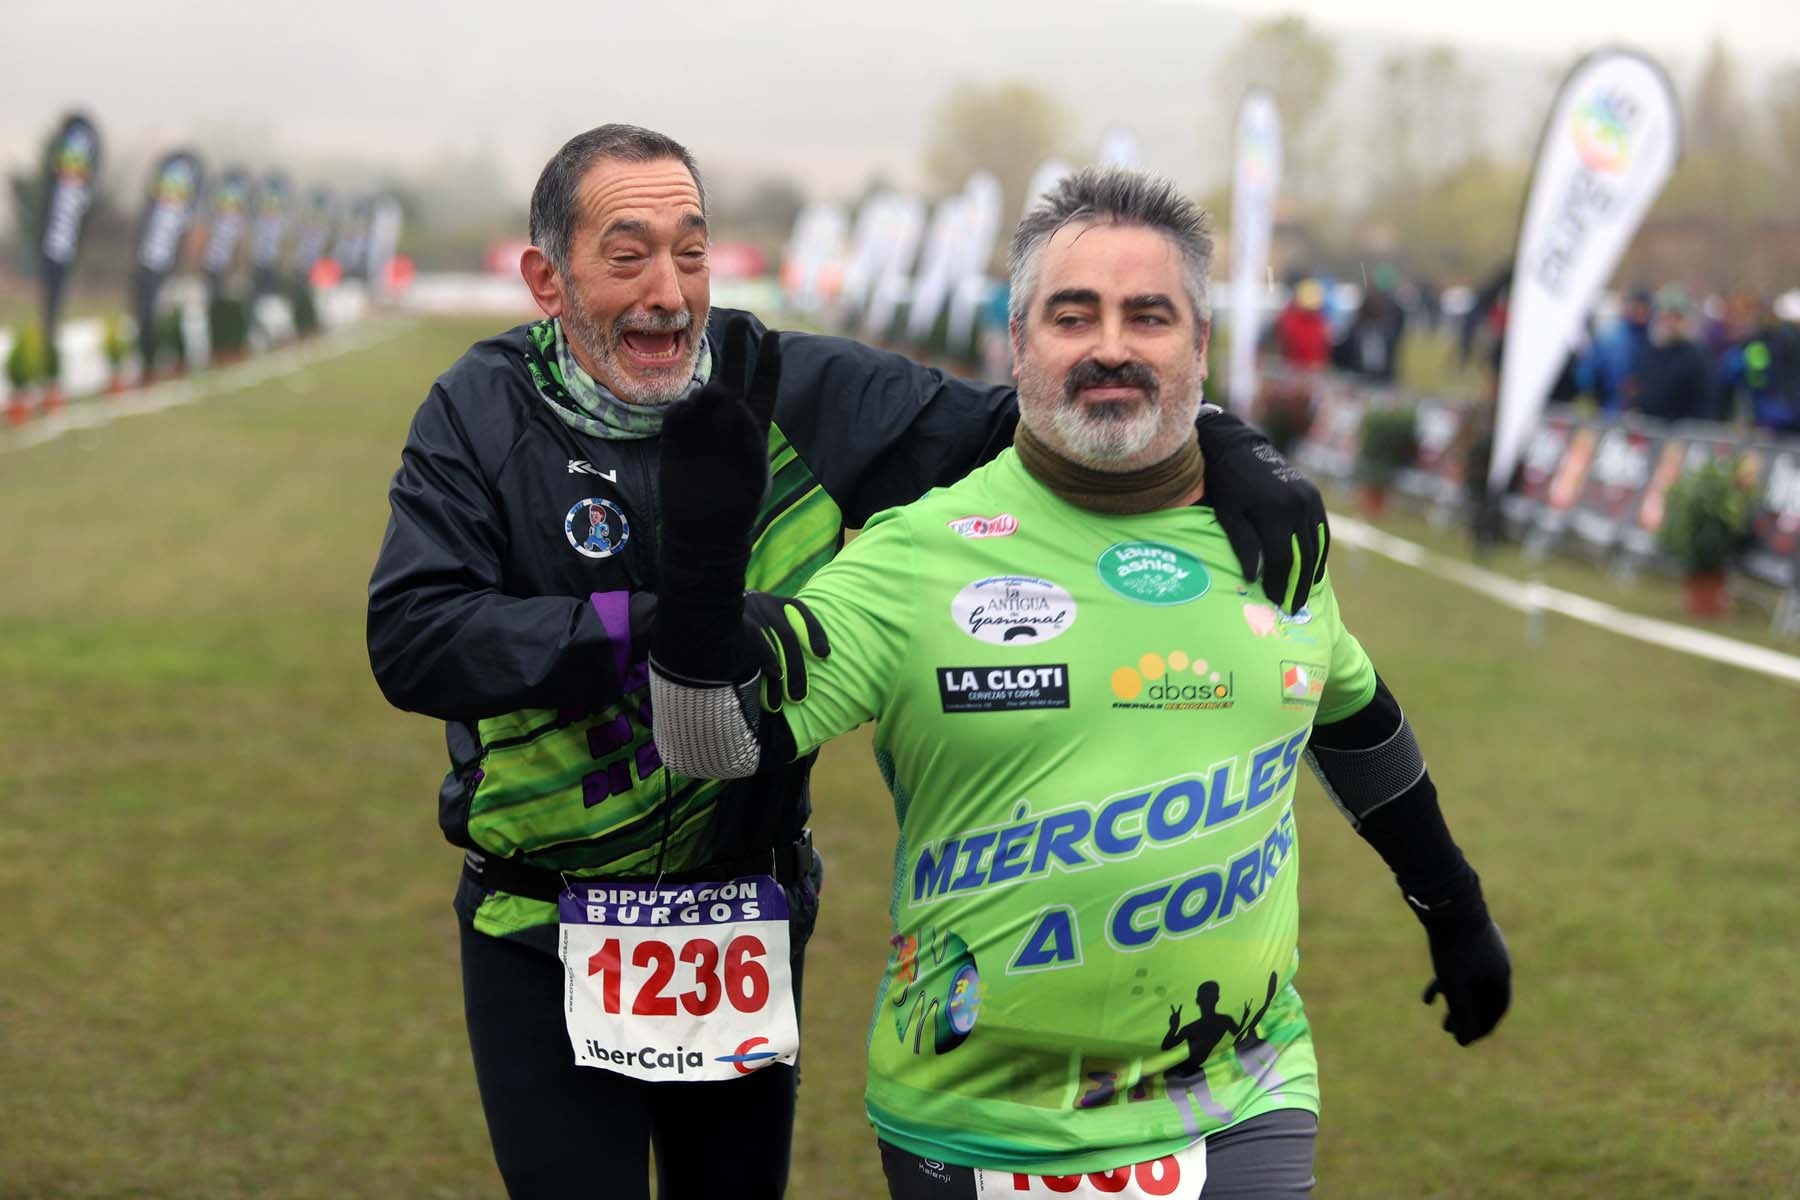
(1007, 128)
(1299, 67)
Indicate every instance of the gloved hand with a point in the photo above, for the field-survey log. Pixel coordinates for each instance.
(783, 659)
(769, 627)
(1473, 971)
(714, 475)
(1273, 516)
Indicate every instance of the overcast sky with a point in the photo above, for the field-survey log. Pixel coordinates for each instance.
(1558, 29)
(821, 89)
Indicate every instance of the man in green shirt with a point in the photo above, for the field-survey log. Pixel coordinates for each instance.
(1091, 727)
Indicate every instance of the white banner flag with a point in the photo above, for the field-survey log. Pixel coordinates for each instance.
(813, 261)
(1612, 140)
(1048, 174)
(981, 212)
(1119, 148)
(1255, 181)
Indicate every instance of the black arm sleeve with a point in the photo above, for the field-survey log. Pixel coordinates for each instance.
(878, 429)
(1370, 766)
(443, 638)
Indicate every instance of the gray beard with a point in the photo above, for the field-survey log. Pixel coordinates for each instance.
(603, 347)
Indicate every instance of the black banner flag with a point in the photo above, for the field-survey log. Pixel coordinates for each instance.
(230, 208)
(71, 168)
(169, 206)
(268, 227)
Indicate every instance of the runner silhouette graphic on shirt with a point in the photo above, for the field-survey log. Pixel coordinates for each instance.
(1186, 1082)
(1204, 1031)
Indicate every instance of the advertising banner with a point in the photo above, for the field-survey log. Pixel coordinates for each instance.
(268, 228)
(169, 206)
(1612, 139)
(71, 171)
(317, 224)
(229, 219)
(1255, 181)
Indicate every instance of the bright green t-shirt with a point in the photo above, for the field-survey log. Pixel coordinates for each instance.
(1091, 726)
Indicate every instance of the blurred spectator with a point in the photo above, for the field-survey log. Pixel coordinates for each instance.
(1673, 383)
(1484, 321)
(1610, 370)
(1302, 338)
(1764, 368)
(1371, 345)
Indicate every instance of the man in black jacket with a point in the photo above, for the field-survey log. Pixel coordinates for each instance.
(512, 598)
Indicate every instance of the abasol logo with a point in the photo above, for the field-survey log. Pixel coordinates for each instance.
(1153, 573)
(1003, 525)
(1006, 609)
(1175, 682)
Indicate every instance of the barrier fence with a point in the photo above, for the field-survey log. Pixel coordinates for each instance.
(1593, 486)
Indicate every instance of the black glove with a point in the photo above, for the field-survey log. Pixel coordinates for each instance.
(782, 657)
(772, 635)
(1274, 517)
(1468, 955)
(714, 475)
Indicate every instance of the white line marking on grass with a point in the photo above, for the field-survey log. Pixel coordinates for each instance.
(1531, 596)
(95, 411)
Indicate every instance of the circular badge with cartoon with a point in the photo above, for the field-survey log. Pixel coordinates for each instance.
(596, 528)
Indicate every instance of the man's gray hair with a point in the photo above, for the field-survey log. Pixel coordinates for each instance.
(1112, 196)
(554, 199)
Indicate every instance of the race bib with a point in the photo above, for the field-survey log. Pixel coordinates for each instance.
(1180, 1174)
(680, 982)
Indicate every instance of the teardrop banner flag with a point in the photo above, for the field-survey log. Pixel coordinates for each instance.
(169, 205)
(1119, 148)
(1255, 182)
(230, 217)
(1612, 140)
(813, 262)
(317, 222)
(969, 284)
(268, 228)
(71, 170)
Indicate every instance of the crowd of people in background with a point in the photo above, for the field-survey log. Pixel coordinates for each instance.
(1734, 359)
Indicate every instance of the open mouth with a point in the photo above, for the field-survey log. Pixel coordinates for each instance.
(1110, 394)
(659, 349)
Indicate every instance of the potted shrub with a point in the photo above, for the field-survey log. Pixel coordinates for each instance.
(1387, 448)
(228, 328)
(305, 307)
(120, 337)
(24, 370)
(1706, 524)
(170, 342)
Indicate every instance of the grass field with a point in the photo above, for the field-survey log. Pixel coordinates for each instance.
(230, 964)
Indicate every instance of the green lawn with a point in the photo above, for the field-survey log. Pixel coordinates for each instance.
(232, 968)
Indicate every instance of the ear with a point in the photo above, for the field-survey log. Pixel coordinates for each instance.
(1016, 332)
(541, 277)
(1205, 341)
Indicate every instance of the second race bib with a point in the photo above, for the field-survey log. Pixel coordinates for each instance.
(1180, 1174)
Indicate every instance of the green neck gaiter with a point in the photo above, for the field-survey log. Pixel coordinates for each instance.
(1148, 489)
(581, 402)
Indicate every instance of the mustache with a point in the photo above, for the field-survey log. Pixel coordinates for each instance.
(1087, 373)
(673, 322)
